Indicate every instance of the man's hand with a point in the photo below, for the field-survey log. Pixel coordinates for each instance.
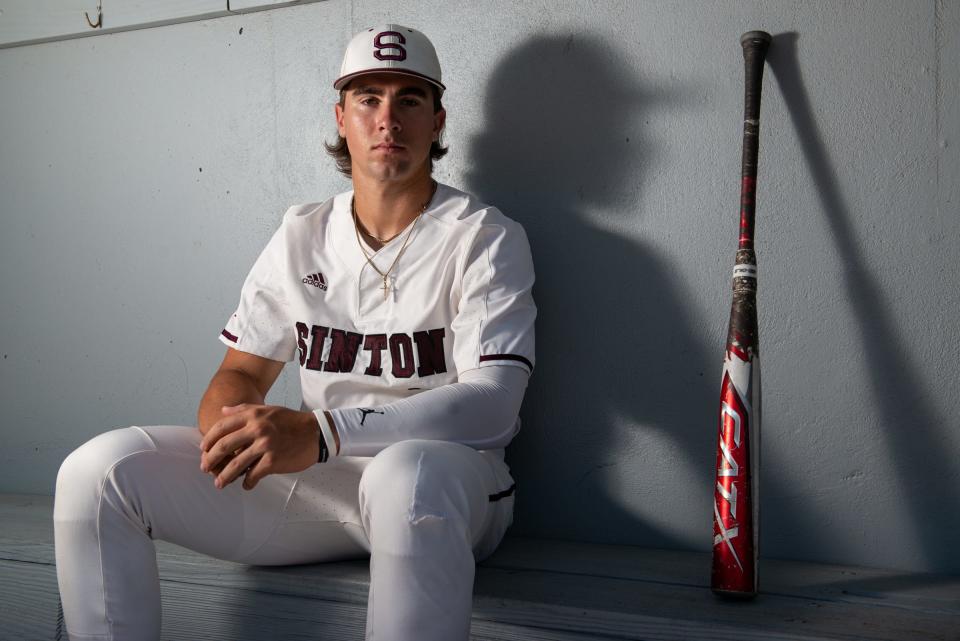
(259, 440)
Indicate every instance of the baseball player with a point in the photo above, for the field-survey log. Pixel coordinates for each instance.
(407, 306)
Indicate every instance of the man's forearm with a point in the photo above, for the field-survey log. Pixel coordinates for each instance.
(479, 410)
(227, 387)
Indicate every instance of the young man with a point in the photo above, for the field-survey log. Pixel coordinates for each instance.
(407, 305)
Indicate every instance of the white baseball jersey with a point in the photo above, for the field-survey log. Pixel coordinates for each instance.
(458, 298)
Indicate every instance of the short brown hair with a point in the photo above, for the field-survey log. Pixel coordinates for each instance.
(341, 153)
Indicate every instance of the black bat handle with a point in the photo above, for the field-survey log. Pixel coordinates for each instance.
(755, 45)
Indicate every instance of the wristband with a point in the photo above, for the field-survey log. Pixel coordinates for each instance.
(326, 429)
(324, 451)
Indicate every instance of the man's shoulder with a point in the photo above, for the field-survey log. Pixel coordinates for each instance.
(461, 208)
(315, 212)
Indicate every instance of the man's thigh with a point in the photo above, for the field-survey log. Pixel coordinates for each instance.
(163, 485)
(286, 518)
(321, 518)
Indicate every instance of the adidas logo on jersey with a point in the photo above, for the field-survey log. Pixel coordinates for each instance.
(317, 280)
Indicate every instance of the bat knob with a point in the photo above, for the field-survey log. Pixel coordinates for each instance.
(756, 37)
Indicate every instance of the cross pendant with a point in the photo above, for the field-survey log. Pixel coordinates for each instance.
(386, 288)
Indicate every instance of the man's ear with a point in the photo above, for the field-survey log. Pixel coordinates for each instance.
(338, 113)
(439, 119)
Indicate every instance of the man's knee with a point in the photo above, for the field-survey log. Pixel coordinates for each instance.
(416, 482)
(82, 474)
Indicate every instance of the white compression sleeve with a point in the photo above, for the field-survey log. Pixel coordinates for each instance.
(479, 410)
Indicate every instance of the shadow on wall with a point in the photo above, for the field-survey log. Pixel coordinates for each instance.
(928, 479)
(620, 420)
(618, 366)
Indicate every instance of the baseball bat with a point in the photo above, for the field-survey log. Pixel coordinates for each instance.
(736, 499)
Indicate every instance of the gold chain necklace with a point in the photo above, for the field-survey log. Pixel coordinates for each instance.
(356, 227)
(382, 241)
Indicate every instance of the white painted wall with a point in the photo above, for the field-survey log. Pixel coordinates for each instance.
(611, 131)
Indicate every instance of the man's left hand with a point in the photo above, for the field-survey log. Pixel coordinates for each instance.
(261, 439)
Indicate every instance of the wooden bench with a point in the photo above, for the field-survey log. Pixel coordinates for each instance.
(530, 589)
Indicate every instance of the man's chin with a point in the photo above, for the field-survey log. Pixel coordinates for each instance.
(391, 171)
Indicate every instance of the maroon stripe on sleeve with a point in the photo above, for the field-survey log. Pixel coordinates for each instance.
(502, 495)
(230, 337)
(507, 357)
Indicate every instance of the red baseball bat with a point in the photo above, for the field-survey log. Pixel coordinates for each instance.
(736, 500)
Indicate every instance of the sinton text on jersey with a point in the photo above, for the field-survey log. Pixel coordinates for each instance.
(345, 347)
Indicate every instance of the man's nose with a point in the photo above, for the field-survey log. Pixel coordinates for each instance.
(389, 118)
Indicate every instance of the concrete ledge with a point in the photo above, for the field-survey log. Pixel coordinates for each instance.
(530, 589)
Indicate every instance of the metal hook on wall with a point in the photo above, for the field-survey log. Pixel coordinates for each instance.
(99, 22)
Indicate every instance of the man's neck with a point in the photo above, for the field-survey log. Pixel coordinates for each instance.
(386, 208)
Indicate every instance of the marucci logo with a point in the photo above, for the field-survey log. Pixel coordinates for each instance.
(317, 280)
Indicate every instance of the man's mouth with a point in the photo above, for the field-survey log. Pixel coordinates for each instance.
(389, 146)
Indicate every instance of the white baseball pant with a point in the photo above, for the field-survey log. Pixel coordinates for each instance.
(424, 511)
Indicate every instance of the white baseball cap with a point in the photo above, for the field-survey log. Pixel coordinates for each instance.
(390, 48)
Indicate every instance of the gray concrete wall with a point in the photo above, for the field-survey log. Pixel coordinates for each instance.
(142, 172)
